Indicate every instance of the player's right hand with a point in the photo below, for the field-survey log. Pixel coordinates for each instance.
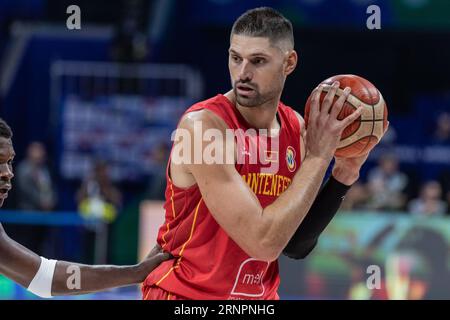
(324, 129)
(153, 259)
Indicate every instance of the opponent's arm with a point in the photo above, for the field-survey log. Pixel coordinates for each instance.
(264, 232)
(22, 265)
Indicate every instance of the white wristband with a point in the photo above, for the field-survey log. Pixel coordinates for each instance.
(41, 285)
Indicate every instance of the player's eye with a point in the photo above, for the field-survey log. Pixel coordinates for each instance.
(236, 58)
(259, 61)
(10, 162)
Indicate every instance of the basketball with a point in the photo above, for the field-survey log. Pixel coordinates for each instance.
(364, 133)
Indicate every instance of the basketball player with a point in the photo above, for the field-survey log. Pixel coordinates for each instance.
(47, 278)
(227, 223)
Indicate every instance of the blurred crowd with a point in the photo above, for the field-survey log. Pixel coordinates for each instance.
(388, 188)
(97, 198)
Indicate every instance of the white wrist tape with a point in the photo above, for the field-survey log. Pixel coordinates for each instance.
(41, 285)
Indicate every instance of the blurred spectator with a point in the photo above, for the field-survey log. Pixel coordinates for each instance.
(356, 198)
(444, 179)
(34, 183)
(100, 200)
(35, 192)
(442, 133)
(157, 185)
(429, 202)
(386, 185)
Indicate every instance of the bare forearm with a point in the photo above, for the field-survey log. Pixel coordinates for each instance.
(73, 278)
(17, 262)
(21, 265)
(285, 215)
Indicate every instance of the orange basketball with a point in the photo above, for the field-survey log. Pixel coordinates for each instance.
(365, 132)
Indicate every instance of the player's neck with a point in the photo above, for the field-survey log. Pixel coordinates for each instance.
(258, 117)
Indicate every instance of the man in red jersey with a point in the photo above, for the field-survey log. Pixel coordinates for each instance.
(47, 278)
(227, 221)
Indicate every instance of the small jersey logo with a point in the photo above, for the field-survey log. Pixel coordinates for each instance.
(290, 158)
(250, 279)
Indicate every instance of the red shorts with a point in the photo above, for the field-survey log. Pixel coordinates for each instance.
(156, 293)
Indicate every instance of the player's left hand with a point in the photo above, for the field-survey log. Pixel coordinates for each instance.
(153, 259)
(346, 170)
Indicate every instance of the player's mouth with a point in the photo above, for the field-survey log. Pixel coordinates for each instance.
(4, 191)
(244, 90)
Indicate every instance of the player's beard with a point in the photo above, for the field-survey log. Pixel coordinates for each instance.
(257, 99)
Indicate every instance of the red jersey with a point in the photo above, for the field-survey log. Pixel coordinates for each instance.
(209, 264)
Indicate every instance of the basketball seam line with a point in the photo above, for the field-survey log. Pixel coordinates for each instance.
(373, 112)
(374, 120)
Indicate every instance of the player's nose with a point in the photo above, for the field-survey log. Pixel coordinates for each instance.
(6, 173)
(245, 73)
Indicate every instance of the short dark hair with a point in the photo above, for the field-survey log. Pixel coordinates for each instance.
(5, 130)
(264, 22)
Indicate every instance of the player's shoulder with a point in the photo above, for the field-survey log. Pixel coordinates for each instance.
(217, 100)
(202, 115)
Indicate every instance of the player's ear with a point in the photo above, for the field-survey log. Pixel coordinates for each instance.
(291, 62)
